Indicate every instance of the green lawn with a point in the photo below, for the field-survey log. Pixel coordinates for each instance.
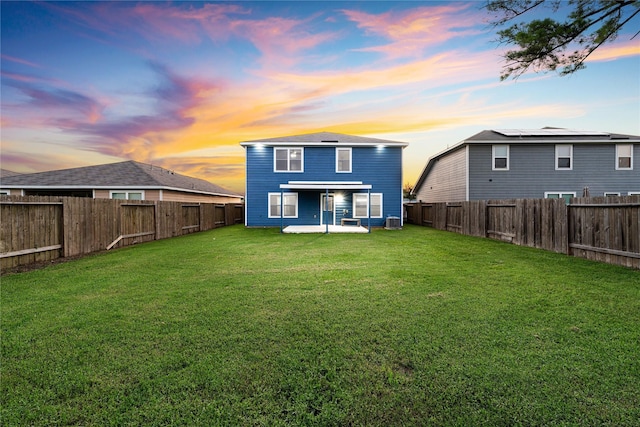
(250, 327)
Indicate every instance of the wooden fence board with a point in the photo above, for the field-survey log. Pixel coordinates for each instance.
(30, 231)
(599, 228)
(70, 226)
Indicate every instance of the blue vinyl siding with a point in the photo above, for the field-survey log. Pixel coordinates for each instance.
(379, 167)
(532, 172)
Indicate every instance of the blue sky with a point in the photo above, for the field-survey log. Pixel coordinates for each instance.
(181, 84)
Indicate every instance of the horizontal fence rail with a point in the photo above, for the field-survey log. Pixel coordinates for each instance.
(35, 229)
(605, 229)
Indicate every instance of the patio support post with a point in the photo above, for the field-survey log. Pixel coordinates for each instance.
(369, 210)
(281, 210)
(325, 208)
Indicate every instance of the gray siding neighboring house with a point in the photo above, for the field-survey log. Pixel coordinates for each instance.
(122, 180)
(549, 162)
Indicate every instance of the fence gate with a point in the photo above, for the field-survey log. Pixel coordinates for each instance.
(137, 224)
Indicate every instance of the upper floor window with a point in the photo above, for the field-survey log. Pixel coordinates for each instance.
(343, 160)
(288, 159)
(564, 157)
(624, 156)
(127, 195)
(500, 155)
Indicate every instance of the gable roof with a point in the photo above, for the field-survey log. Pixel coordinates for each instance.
(127, 174)
(6, 172)
(326, 139)
(546, 135)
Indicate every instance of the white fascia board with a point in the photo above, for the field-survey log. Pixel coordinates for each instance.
(327, 182)
(325, 144)
(516, 140)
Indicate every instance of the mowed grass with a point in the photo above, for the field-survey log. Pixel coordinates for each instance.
(250, 327)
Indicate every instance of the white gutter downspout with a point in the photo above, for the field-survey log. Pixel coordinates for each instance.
(467, 172)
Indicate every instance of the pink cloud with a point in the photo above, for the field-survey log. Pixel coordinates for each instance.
(19, 61)
(153, 21)
(278, 39)
(412, 31)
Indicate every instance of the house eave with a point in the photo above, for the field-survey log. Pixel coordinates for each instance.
(325, 185)
(537, 141)
(323, 144)
(114, 187)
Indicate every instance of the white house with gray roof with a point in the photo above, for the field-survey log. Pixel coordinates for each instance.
(123, 180)
(537, 163)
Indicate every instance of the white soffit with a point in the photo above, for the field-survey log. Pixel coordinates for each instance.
(328, 185)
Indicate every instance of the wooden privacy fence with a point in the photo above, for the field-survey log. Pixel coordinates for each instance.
(37, 229)
(604, 229)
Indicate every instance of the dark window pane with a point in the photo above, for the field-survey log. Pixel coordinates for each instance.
(624, 162)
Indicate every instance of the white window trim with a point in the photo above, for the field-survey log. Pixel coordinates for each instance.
(618, 157)
(611, 194)
(493, 157)
(353, 205)
(295, 215)
(559, 193)
(288, 149)
(570, 157)
(127, 192)
(5, 192)
(633, 193)
(338, 149)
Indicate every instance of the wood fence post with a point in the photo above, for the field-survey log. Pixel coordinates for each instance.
(65, 227)
(228, 214)
(567, 229)
(156, 227)
(417, 213)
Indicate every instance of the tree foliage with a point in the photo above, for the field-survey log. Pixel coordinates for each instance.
(407, 191)
(557, 44)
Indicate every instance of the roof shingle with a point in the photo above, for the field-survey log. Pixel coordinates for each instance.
(326, 137)
(114, 175)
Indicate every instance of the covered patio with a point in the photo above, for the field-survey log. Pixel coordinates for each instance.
(327, 225)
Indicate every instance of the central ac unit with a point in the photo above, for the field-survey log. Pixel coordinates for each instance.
(393, 223)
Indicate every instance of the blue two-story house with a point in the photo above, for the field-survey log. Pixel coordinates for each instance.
(323, 182)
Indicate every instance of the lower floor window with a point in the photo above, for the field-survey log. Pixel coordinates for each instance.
(361, 205)
(566, 195)
(289, 205)
(127, 195)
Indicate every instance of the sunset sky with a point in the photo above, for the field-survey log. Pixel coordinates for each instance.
(181, 84)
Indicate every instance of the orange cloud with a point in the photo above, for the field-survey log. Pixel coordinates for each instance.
(614, 51)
